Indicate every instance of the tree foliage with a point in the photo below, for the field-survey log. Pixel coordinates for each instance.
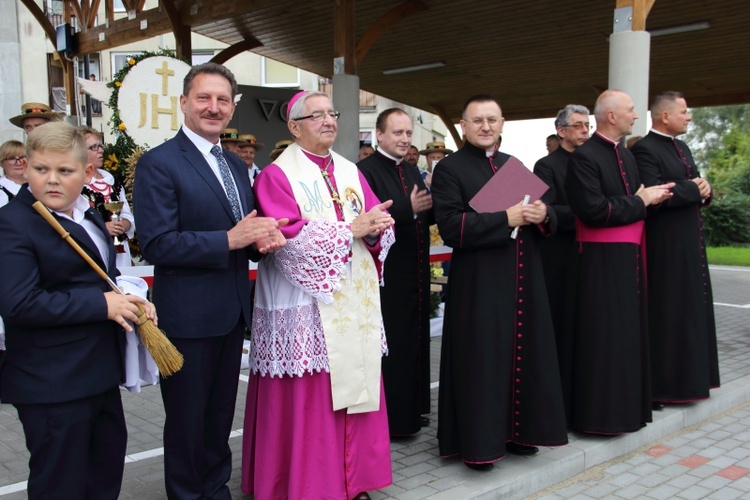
(720, 140)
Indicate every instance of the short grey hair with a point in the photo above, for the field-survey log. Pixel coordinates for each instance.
(298, 108)
(210, 68)
(563, 116)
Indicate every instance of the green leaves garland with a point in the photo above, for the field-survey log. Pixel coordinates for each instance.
(121, 156)
(116, 153)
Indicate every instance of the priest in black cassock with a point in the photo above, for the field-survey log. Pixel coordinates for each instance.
(684, 359)
(611, 390)
(560, 251)
(499, 380)
(405, 296)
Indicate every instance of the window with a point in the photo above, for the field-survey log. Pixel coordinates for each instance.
(94, 67)
(200, 57)
(278, 74)
(120, 60)
(366, 137)
(118, 6)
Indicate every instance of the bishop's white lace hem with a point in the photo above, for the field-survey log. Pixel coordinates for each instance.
(386, 242)
(291, 342)
(314, 260)
(288, 341)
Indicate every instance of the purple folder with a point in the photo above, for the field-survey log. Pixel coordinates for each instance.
(508, 187)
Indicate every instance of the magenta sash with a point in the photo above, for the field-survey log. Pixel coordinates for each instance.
(630, 233)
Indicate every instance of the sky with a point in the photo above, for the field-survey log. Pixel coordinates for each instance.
(524, 139)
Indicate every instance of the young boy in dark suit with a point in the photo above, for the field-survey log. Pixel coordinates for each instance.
(64, 326)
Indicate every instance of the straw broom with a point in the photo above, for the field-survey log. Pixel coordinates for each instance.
(168, 359)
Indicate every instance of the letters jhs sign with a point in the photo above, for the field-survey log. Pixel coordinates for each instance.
(156, 110)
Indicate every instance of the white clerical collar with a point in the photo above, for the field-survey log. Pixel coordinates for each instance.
(397, 160)
(203, 145)
(662, 134)
(614, 142)
(313, 154)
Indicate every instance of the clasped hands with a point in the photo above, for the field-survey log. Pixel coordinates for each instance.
(373, 222)
(653, 195)
(262, 232)
(523, 215)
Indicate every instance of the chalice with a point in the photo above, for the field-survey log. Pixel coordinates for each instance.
(115, 207)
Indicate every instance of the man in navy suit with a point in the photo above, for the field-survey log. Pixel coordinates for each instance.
(199, 230)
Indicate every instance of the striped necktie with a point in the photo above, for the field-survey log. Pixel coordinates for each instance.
(226, 177)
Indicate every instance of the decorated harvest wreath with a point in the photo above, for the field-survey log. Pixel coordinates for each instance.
(121, 156)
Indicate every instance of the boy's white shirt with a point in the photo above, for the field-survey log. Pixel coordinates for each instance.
(140, 367)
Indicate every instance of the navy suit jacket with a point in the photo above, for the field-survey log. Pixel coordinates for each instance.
(200, 287)
(60, 345)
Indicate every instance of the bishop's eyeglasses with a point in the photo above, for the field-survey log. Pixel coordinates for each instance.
(319, 116)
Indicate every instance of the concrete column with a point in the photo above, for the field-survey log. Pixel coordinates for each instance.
(10, 77)
(346, 101)
(629, 58)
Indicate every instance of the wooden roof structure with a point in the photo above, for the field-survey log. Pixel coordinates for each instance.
(536, 56)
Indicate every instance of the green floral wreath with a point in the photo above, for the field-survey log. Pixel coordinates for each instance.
(121, 156)
(117, 153)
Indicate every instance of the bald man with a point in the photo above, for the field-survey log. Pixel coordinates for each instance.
(611, 386)
(684, 359)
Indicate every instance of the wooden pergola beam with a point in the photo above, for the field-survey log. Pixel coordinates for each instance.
(343, 34)
(124, 31)
(109, 10)
(641, 10)
(248, 43)
(383, 24)
(42, 19)
(93, 8)
(182, 31)
(446, 119)
(78, 9)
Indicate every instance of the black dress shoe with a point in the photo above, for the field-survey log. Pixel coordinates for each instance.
(657, 406)
(424, 421)
(520, 449)
(480, 467)
(362, 496)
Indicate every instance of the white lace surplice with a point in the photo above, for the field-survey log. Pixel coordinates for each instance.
(288, 336)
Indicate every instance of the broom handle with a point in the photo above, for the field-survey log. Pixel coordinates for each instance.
(44, 212)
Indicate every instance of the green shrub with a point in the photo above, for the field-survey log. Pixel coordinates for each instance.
(725, 221)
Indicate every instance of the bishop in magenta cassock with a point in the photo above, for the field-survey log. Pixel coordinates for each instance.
(315, 418)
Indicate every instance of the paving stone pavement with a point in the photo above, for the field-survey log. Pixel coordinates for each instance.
(698, 450)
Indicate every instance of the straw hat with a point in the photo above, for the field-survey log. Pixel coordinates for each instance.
(279, 148)
(435, 147)
(229, 135)
(35, 110)
(249, 140)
